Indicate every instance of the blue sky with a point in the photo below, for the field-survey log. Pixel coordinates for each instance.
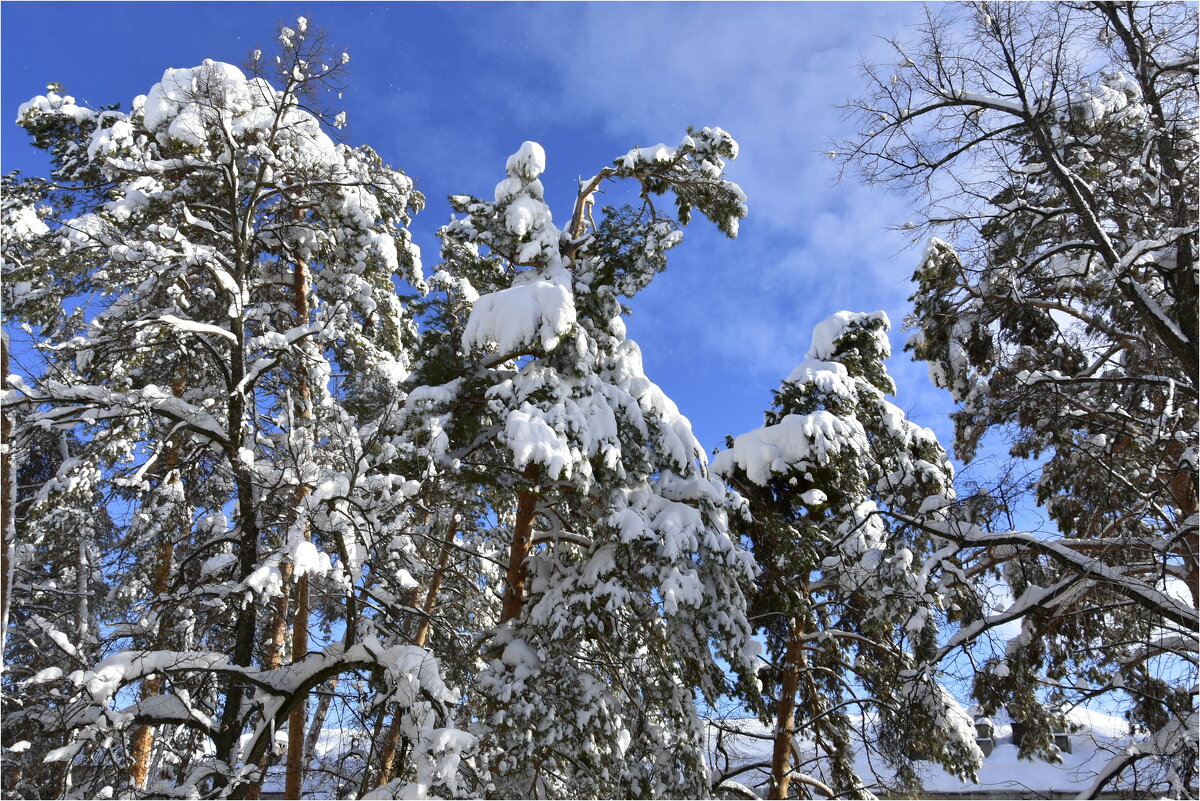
(447, 91)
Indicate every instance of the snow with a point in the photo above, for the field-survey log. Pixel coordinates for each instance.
(406, 580)
(217, 563)
(827, 332)
(1118, 96)
(64, 754)
(195, 327)
(62, 641)
(526, 215)
(528, 162)
(798, 442)
(462, 286)
(170, 707)
(266, 580)
(813, 497)
(1100, 737)
(520, 656)
(991, 101)
(52, 102)
(623, 740)
(675, 442)
(658, 154)
(308, 559)
(186, 104)
(532, 440)
(47, 675)
(680, 588)
(520, 317)
(22, 222)
(829, 378)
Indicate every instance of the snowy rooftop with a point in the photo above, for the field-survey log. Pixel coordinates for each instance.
(1096, 739)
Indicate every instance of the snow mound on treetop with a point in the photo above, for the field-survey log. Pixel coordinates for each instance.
(827, 333)
(528, 162)
(831, 378)
(188, 103)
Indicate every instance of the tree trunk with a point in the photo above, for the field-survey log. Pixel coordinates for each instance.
(387, 770)
(294, 780)
(277, 631)
(274, 656)
(514, 591)
(785, 717)
(143, 736)
(284, 612)
(365, 784)
(435, 586)
(294, 777)
(8, 497)
(318, 723)
(1183, 493)
(387, 762)
(246, 518)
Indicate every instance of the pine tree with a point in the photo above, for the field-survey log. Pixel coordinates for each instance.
(850, 597)
(61, 534)
(613, 566)
(238, 259)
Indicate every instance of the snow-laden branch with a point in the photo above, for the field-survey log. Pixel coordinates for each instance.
(89, 404)
(191, 326)
(1156, 601)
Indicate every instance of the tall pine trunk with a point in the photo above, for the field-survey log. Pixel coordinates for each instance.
(294, 777)
(246, 622)
(318, 721)
(1183, 492)
(514, 590)
(8, 497)
(387, 769)
(143, 736)
(435, 586)
(785, 716)
(285, 613)
(276, 636)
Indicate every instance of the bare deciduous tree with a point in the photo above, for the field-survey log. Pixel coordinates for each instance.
(1056, 144)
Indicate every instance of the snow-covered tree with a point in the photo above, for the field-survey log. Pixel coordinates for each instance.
(233, 260)
(613, 572)
(62, 534)
(1058, 143)
(849, 599)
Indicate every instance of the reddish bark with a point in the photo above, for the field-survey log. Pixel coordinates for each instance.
(785, 717)
(294, 777)
(7, 498)
(514, 592)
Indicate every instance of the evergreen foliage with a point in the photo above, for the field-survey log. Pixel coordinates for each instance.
(850, 598)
